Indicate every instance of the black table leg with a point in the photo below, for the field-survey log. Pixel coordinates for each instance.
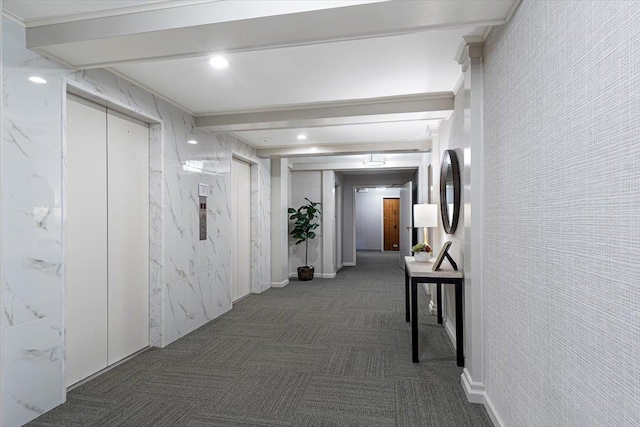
(459, 324)
(439, 301)
(414, 320)
(406, 294)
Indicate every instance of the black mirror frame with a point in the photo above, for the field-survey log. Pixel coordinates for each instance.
(455, 170)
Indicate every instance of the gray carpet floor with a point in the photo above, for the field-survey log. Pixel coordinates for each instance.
(320, 353)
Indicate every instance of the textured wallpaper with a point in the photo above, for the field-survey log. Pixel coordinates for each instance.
(562, 214)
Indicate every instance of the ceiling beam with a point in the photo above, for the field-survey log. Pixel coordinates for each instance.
(342, 149)
(354, 166)
(372, 110)
(233, 26)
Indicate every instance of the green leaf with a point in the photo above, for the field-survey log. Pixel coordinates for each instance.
(312, 235)
(291, 210)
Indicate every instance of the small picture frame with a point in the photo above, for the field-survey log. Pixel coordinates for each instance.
(444, 253)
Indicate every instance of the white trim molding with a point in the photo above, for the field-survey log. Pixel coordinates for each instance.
(348, 264)
(280, 284)
(470, 57)
(477, 393)
(493, 414)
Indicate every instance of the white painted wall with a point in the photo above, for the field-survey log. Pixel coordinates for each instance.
(369, 217)
(279, 222)
(328, 223)
(561, 220)
(350, 183)
(306, 184)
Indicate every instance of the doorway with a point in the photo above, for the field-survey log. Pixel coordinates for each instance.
(391, 223)
(240, 217)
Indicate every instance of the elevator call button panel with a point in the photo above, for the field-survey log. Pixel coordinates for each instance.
(203, 218)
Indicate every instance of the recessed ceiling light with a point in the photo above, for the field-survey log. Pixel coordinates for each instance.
(192, 141)
(302, 136)
(36, 79)
(219, 62)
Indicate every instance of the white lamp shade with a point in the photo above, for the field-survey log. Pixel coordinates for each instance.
(425, 215)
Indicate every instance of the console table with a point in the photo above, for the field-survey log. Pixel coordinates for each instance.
(421, 272)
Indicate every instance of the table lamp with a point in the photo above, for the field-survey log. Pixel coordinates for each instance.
(425, 216)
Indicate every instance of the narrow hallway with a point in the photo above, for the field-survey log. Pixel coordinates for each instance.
(325, 352)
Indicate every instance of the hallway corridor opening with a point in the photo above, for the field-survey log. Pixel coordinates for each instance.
(325, 352)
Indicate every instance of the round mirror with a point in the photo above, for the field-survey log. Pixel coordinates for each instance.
(450, 191)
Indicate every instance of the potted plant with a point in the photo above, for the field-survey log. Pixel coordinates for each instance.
(304, 223)
(422, 252)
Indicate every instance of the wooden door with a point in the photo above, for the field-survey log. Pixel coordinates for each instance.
(391, 212)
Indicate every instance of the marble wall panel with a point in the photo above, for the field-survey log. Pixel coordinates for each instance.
(190, 279)
(35, 355)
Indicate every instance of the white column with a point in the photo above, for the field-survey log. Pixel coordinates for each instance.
(436, 238)
(279, 223)
(471, 60)
(328, 220)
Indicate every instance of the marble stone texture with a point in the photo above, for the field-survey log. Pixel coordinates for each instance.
(190, 279)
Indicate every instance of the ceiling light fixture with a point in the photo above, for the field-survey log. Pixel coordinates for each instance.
(302, 136)
(192, 141)
(219, 62)
(373, 160)
(36, 79)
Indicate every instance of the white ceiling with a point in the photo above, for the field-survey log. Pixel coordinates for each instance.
(347, 134)
(377, 68)
(368, 68)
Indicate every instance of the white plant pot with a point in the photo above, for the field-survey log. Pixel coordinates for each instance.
(422, 256)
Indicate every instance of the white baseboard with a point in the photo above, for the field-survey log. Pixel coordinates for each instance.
(493, 414)
(280, 284)
(451, 330)
(433, 308)
(477, 393)
(317, 276)
(348, 264)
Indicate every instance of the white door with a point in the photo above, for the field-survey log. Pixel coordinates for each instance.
(107, 238)
(86, 239)
(240, 216)
(128, 179)
(406, 207)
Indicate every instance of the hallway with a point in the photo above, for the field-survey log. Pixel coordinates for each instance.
(326, 352)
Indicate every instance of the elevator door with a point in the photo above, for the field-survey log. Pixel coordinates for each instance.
(128, 197)
(107, 238)
(86, 236)
(240, 214)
